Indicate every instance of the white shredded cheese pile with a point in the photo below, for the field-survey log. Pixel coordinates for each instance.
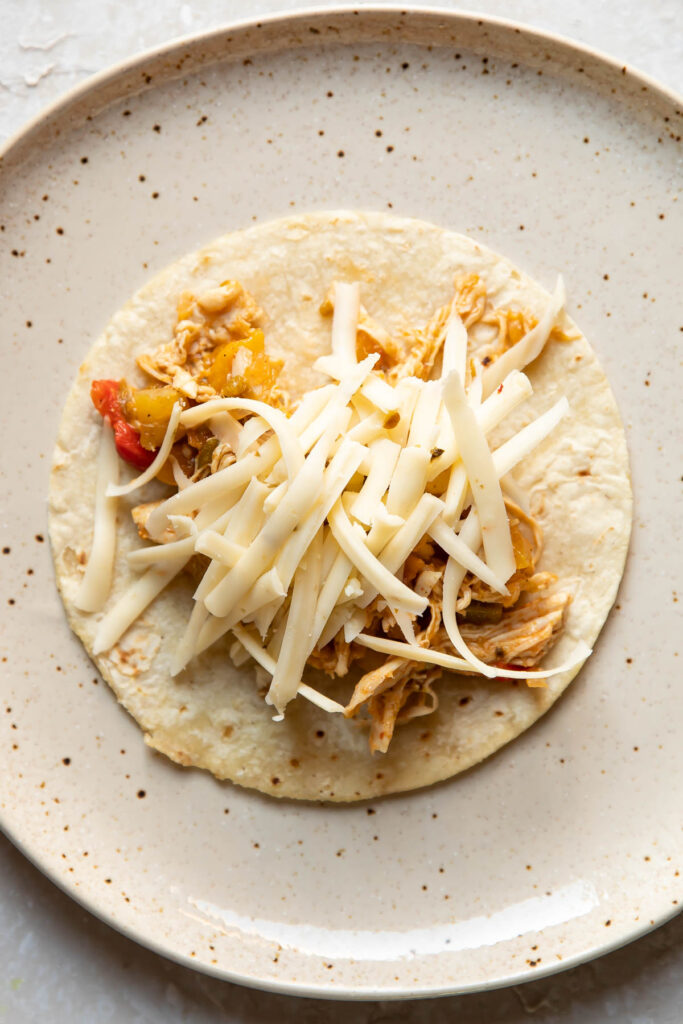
(318, 513)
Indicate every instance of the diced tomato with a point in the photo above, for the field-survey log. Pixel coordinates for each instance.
(105, 398)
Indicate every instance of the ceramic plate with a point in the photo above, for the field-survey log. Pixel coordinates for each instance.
(568, 841)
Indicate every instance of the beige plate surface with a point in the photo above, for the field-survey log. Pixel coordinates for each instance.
(569, 840)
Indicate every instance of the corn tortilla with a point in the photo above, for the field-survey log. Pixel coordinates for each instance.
(212, 716)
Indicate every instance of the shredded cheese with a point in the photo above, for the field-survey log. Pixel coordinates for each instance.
(251, 432)
(383, 645)
(224, 484)
(336, 477)
(516, 388)
(424, 421)
(217, 547)
(227, 429)
(528, 439)
(266, 661)
(312, 523)
(408, 481)
(282, 523)
(160, 554)
(374, 390)
(352, 542)
(267, 590)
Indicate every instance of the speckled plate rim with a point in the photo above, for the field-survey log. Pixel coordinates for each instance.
(108, 78)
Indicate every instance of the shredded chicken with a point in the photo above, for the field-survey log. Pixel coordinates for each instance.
(141, 513)
(222, 456)
(227, 313)
(424, 345)
(336, 657)
(399, 690)
(511, 325)
(223, 314)
(522, 637)
(410, 698)
(377, 681)
(371, 337)
(394, 693)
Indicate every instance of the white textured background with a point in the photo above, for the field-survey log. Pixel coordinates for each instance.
(57, 963)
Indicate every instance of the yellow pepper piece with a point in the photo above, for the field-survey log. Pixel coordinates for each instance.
(521, 548)
(149, 410)
(262, 372)
(219, 371)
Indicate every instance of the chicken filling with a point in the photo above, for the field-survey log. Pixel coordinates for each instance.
(218, 350)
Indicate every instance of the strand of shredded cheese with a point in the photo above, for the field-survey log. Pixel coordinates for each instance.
(414, 653)
(392, 557)
(295, 645)
(352, 542)
(267, 590)
(96, 583)
(423, 424)
(160, 554)
(454, 356)
(384, 645)
(345, 321)
(331, 589)
(188, 641)
(515, 389)
(454, 546)
(218, 548)
(289, 442)
(528, 439)
(117, 490)
(408, 482)
(383, 456)
(486, 492)
(266, 661)
(530, 346)
(133, 602)
(337, 475)
(252, 431)
(227, 429)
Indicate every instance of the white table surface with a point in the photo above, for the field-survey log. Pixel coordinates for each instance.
(58, 963)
